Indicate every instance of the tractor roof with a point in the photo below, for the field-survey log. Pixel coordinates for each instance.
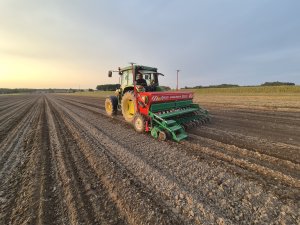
(140, 67)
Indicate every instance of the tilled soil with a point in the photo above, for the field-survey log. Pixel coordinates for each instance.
(63, 161)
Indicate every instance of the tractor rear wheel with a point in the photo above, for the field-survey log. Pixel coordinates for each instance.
(111, 105)
(139, 123)
(128, 106)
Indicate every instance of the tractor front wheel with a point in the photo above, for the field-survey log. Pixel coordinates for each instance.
(139, 123)
(128, 106)
(111, 105)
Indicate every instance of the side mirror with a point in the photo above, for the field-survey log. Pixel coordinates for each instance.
(109, 73)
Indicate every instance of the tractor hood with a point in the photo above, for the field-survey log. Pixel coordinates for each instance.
(155, 97)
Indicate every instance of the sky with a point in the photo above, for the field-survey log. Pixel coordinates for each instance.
(73, 44)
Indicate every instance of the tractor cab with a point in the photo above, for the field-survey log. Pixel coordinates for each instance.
(129, 75)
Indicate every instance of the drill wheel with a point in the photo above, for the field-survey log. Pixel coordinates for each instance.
(162, 136)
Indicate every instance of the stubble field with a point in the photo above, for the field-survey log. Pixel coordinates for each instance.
(63, 161)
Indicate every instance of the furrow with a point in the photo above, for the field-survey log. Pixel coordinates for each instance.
(99, 208)
(11, 147)
(19, 184)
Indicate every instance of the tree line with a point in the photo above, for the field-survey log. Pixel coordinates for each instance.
(276, 83)
(113, 87)
(107, 87)
(31, 90)
(15, 90)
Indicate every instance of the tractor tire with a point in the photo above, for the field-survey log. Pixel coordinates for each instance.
(111, 105)
(128, 106)
(139, 123)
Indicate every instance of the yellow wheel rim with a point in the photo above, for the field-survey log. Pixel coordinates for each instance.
(130, 107)
(139, 124)
(108, 106)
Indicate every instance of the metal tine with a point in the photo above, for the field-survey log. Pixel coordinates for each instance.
(198, 122)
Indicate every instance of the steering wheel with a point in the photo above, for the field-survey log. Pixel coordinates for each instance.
(140, 88)
(152, 86)
(152, 83)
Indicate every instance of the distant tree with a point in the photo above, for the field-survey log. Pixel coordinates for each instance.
(198, 87)
(108, 87)
(217, 86)
(277, 83)
(166, 88)
(223, 86)
(90, 90)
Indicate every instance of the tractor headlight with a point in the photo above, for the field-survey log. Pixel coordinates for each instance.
(145, 99)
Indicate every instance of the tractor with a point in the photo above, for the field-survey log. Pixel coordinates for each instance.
(151, 107)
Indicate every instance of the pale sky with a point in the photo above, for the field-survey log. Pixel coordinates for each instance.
(72, 43)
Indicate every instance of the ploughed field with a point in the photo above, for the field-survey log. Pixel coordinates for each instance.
(63, 161)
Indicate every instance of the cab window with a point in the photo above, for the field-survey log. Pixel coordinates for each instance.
(127, 78)
(124, 78)
(151, 78)
(130, 77)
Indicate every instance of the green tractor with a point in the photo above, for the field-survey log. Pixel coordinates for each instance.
(151, 107)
